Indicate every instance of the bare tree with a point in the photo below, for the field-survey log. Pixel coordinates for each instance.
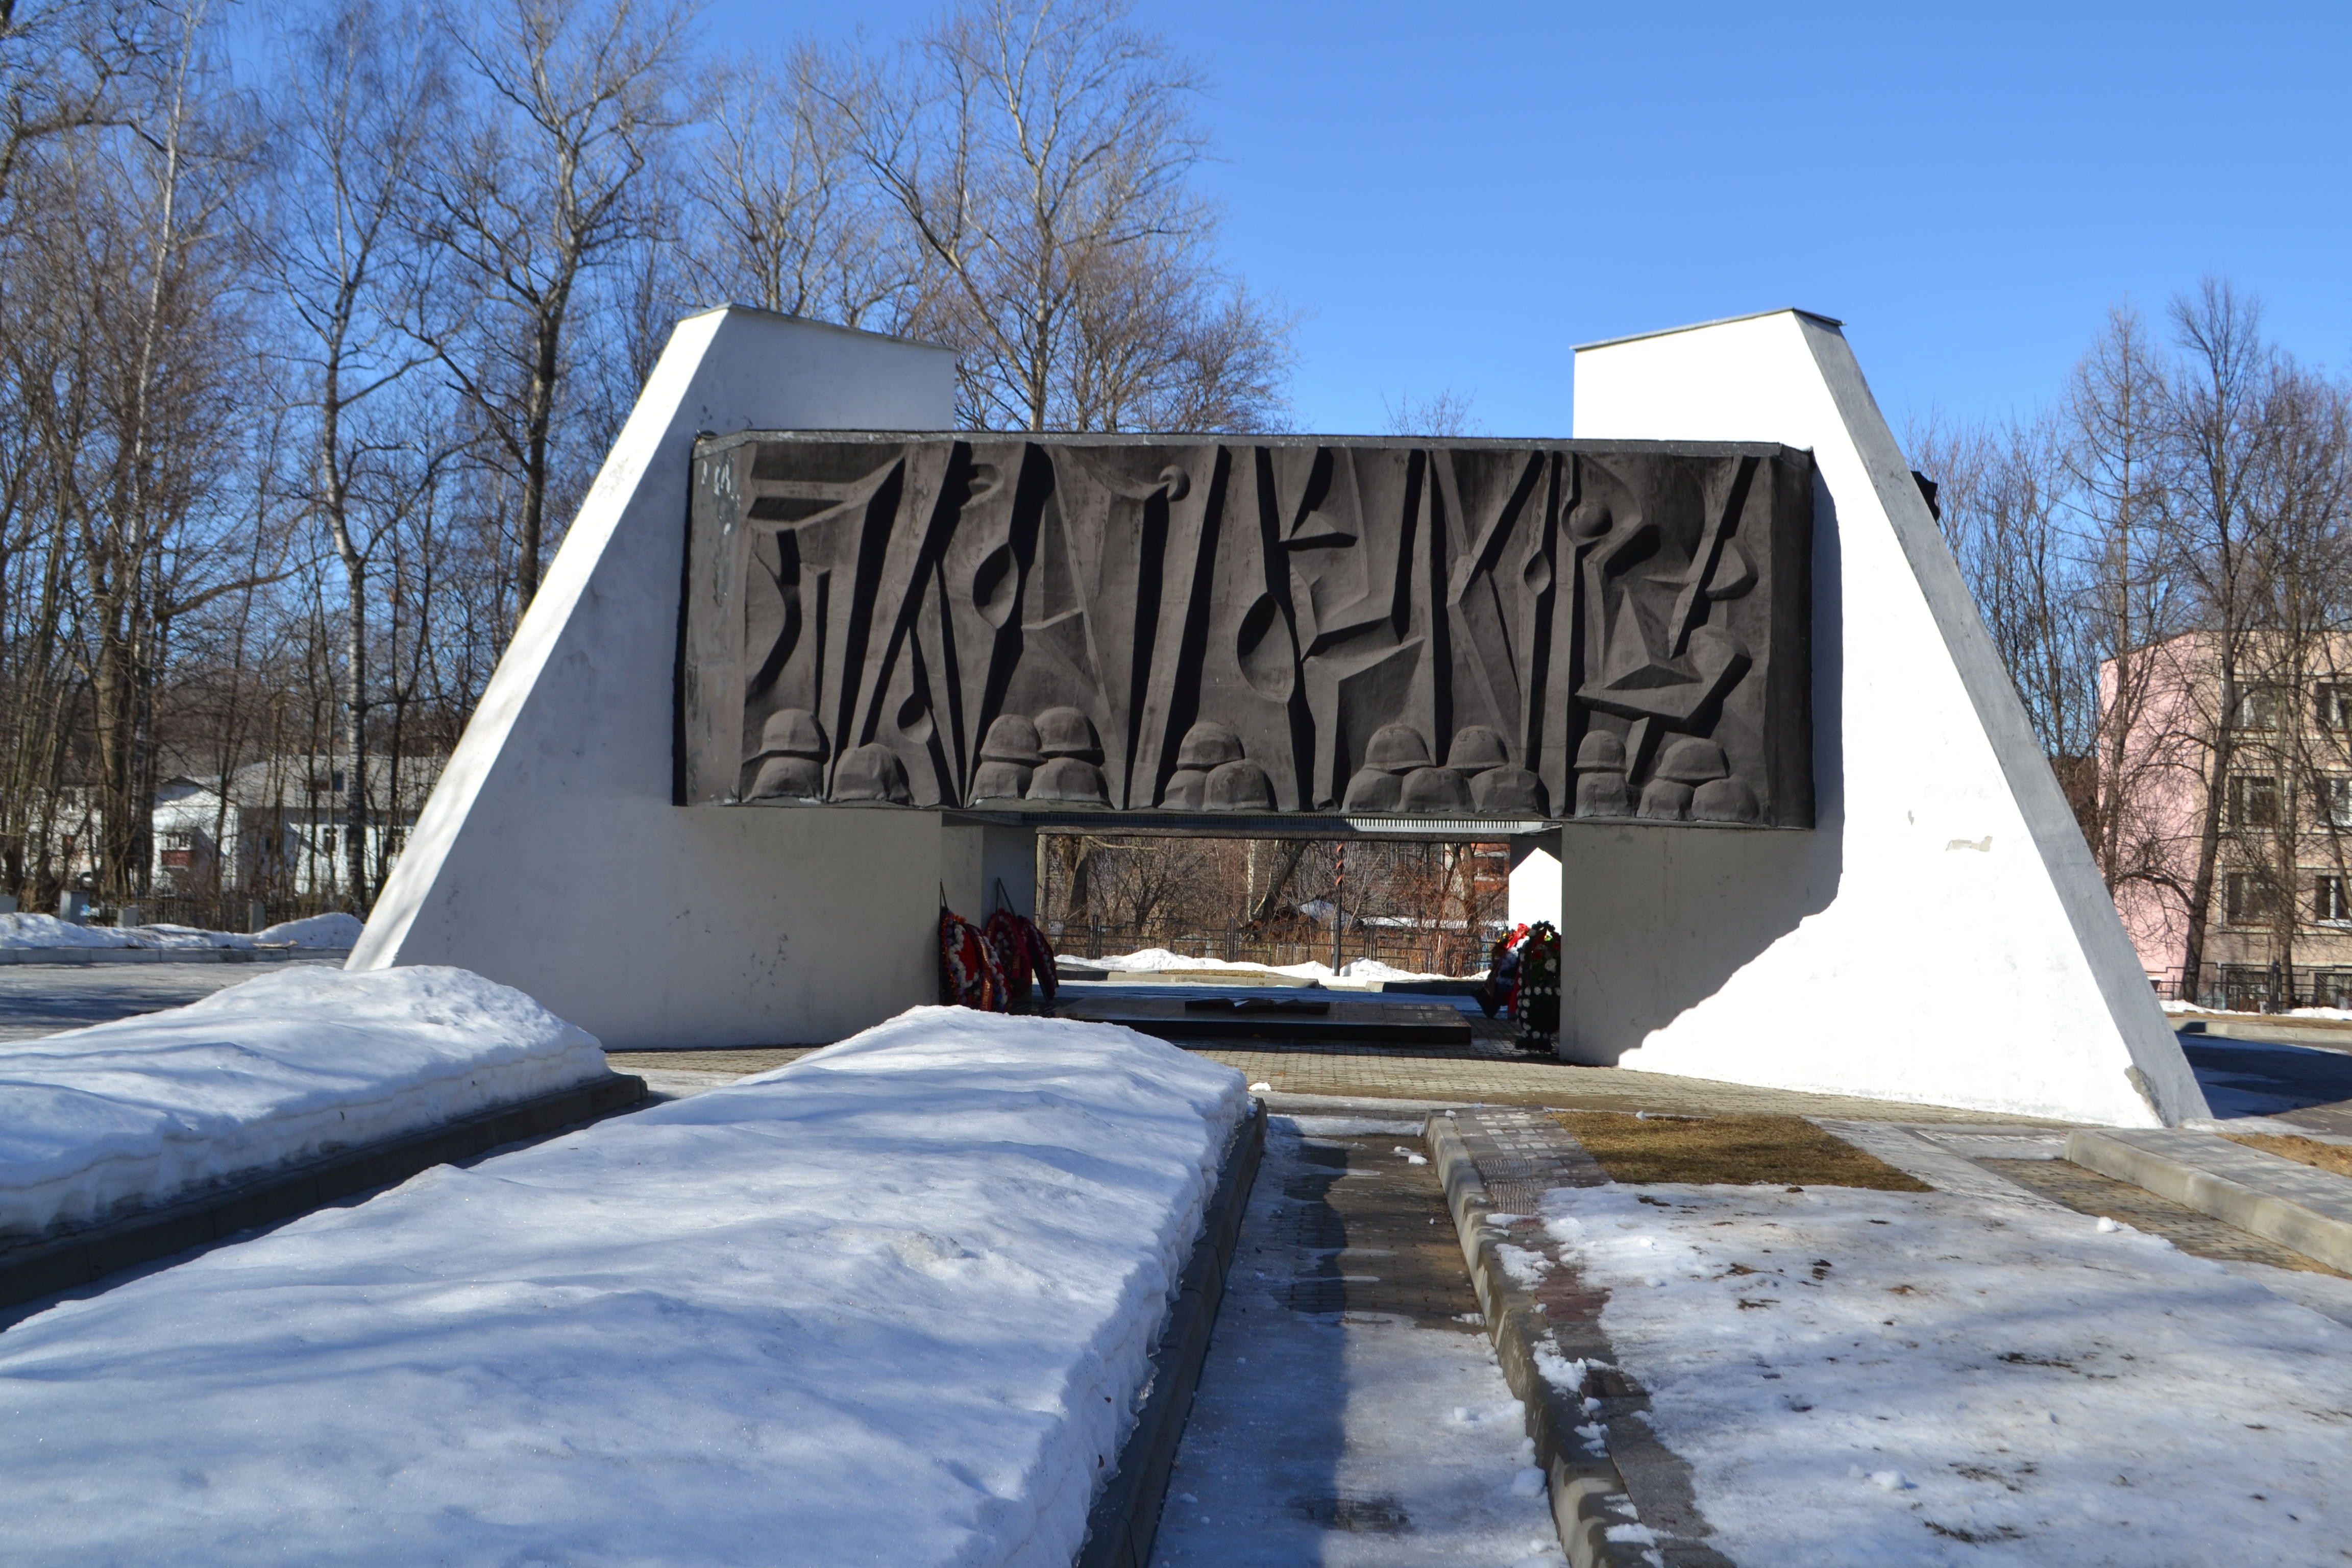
(156, 275)
(2116, 418)
(1445, 413)
(576, 101)
(2219, 439)
(361, 93)
(60, 66)
(789, 221)
(1040, 153)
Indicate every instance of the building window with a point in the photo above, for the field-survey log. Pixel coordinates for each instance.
(2259, 707)
(2334, 799)
(2253, 801)
(2331, 901)
(2245, 897)
(2334, 706)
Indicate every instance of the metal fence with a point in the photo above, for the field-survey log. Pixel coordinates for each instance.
(1421, 952)
(2259, 988)
(230, 911)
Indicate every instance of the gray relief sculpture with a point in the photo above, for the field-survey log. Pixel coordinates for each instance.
(1035, 625)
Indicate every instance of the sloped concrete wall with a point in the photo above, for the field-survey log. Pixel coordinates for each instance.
(550, 858)
(1942, 935)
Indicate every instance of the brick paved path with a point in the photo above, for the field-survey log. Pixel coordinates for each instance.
(1486, 1071)
(2087, 1192)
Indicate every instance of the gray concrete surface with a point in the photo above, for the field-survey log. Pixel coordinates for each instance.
(41, 1000)
(1321, 1432)
(2294, 1204)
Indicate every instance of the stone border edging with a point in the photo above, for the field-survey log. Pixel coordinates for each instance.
(1580, 1483)
(79, 957)
(46, 1264)
(2261, 1193)
(1125, 1520)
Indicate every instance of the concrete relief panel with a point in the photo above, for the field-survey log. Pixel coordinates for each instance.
(1251, 626)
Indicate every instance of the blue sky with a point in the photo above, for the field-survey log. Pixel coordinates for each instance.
(1457, 195)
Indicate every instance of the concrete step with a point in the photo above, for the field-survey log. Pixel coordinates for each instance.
(2282, 1200)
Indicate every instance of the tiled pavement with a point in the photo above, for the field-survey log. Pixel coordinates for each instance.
(1486, 1071)
(2087, 1192)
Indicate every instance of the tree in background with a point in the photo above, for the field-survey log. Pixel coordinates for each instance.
(1040, 156)
(542, 181)
(362, 94)
(2162, 564)
(302, 370)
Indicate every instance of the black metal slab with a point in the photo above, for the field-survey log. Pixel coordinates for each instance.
(1430, 987)
(1357, 1023)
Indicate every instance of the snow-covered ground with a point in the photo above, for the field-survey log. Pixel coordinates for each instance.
(1873, 1378)
(329, 932)
(1364, 1440)
(1161, 960)
(889, 1305)
(285, 1066)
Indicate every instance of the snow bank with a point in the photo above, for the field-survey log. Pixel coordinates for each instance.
(1161, 960)
(889, 1305)
(331, 931)
(337, 930)
(47, 931)
(1870, 1378)
(283, 1067)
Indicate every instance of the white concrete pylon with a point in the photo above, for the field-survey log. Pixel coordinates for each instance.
(1942, 935)
(550, 858)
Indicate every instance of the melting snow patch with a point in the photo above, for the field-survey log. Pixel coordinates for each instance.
(1865, 1378)
(892, 1304)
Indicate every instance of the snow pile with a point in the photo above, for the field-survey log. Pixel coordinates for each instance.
(288, 1067)
(47, 931)
(334, 933)
(1161, 960)
(2337, 1013)
(889, 1305)
(1374, 969)
(1869, 1378)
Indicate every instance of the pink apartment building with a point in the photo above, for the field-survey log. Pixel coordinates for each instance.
(2278, 929)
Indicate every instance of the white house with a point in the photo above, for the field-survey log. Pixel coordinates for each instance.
(276, 830)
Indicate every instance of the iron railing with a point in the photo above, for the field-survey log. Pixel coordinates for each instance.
(2260, 987)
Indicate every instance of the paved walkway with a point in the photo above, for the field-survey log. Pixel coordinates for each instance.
(1350, 1411)
(41, 999)
(1486, 1071)
(2087, 1192)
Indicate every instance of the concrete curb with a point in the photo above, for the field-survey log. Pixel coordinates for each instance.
(71, 957)
(48, 1264)
(1125, 1520)
(1582, 1482)
(2281, 1200)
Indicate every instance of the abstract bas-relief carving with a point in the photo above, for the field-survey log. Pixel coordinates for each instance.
(1249, 624)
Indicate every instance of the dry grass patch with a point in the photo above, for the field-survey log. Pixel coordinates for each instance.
(2334, 1158)
(1737, 1151)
